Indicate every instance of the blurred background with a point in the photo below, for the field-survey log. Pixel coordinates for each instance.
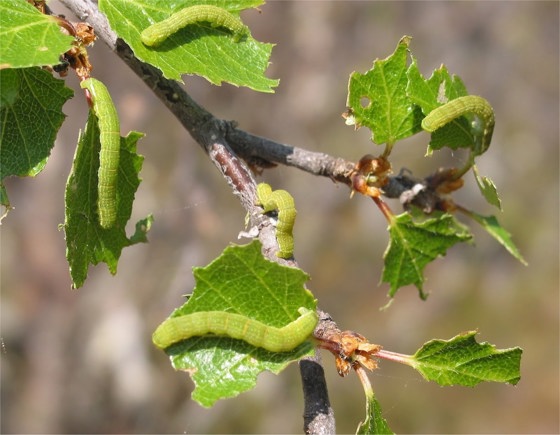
(82, 361)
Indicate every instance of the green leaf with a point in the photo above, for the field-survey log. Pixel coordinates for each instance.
(414, 244)
(378, 100)
(429, 94)
(240, 281)
(487, 188)
(196, 49)
(28, 125)
(86, 242)
(440, 88)
(374, 422)
(463, 361)
(491, 224)
(29, 38)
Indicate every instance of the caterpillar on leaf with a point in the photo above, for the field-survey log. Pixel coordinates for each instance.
(237, 326)
(283, 202)
(474, 104)
(110, 139)
(217, 17)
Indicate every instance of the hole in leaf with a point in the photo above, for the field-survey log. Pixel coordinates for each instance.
(365, 102)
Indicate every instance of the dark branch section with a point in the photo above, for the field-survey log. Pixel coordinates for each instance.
(318, 417)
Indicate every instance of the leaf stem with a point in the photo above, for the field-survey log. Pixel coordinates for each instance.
(466, 167)
(385, 209)
(396, 357)
(364, 379)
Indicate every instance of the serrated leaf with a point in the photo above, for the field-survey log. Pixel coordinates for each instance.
(239, 281)
(487, 188)
(463, 361)
(374, 422)
(431, 93)
(414, 244)
(378, 100)
(493, 227)
(223, 368)
(25, 145)
(29, 38)
(197, 49)
(86, 241)
(28, 126)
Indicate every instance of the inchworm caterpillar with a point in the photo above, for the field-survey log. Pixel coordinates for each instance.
(109, 136)
(283, 202)
(236, 326)
(216, 16)
(478, 106)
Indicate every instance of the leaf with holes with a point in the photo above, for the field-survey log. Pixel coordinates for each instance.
(378, 100)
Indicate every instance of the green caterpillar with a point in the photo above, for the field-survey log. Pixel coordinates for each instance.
(476, 105)
(216, 16)
(283, 202)
(109, 136)
(236, 326)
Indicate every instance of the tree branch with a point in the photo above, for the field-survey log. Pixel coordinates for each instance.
(206, 129)
(220, 139)
(198, 121)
